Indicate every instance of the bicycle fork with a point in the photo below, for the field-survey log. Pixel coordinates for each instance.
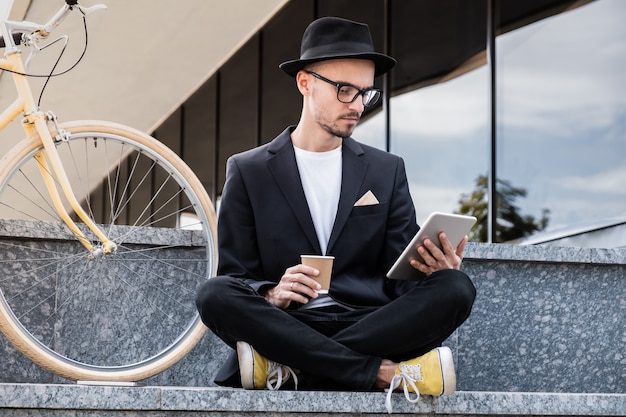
(37, 122)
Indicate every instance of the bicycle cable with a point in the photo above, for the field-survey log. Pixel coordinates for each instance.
(52, 74)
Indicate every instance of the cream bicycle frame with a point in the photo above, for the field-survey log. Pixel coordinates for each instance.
(36, 121)
(56, 284)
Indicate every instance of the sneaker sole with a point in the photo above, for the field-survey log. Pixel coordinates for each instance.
(245, 356)
(447, 370)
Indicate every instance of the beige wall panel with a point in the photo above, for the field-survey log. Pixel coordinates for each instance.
(145, 57)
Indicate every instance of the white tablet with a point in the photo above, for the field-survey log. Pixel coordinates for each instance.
(456, 226)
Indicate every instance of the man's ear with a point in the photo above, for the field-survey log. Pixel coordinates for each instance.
(303, 82)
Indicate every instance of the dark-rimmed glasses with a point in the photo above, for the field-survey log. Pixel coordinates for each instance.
(347, 93)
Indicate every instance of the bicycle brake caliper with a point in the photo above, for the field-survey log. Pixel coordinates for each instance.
(62, 135)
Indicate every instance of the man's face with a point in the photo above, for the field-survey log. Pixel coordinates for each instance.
(335, 117)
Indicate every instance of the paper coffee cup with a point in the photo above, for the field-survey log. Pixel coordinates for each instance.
(324, 264)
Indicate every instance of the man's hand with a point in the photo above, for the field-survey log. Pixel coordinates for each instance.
(436, 259)
(295, 285)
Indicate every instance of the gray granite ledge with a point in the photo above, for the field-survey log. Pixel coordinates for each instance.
(146, 400)
(53, 231)
(506, 252)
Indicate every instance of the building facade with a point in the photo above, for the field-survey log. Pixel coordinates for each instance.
(511, 106)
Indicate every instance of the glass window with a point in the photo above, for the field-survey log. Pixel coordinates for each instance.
(237, 100)
(371, 130)
(281, 102)
(200, 122)
(442, 132)
(440, 128)
(561, 114)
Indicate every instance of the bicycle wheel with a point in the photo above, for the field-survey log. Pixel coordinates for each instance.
(88, 315)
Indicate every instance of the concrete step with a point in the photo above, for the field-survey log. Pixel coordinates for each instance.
(546, 337)
(55, 400)
(546, 319)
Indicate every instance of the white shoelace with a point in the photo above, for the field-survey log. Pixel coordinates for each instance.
(408, 376)
(278, 374)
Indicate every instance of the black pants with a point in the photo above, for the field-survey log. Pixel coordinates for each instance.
(335, 349)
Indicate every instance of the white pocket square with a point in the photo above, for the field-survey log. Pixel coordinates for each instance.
(368, 199)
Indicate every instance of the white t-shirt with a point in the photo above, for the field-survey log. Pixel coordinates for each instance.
(320, 173)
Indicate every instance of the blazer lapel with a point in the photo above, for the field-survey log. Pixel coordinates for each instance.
(353, 173)
(282, 164)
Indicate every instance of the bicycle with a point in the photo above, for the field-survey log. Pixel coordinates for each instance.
(105, 234)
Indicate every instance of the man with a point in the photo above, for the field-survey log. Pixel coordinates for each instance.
(315, 190)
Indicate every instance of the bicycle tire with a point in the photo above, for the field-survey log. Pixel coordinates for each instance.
(124, 316)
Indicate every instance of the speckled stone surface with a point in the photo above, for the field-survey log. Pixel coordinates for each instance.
(549, 324)
(30, 229)
(86, 318)
(546, 320)
(52, 400)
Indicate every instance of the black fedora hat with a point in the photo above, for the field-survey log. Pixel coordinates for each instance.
(336, 38)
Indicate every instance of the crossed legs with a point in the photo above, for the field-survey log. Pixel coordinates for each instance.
(341, 349)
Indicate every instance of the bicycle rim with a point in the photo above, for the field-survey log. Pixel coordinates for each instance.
(87, 315)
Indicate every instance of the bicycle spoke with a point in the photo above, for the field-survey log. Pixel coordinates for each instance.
(117, 310)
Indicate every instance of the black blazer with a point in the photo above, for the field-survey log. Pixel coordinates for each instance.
(265, 224)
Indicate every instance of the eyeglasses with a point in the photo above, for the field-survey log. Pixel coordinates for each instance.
(347, 93)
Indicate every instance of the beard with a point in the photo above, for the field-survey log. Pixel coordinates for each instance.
(335, 130)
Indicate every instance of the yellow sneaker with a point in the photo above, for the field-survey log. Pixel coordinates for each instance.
(430, 374)
(258, 372)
